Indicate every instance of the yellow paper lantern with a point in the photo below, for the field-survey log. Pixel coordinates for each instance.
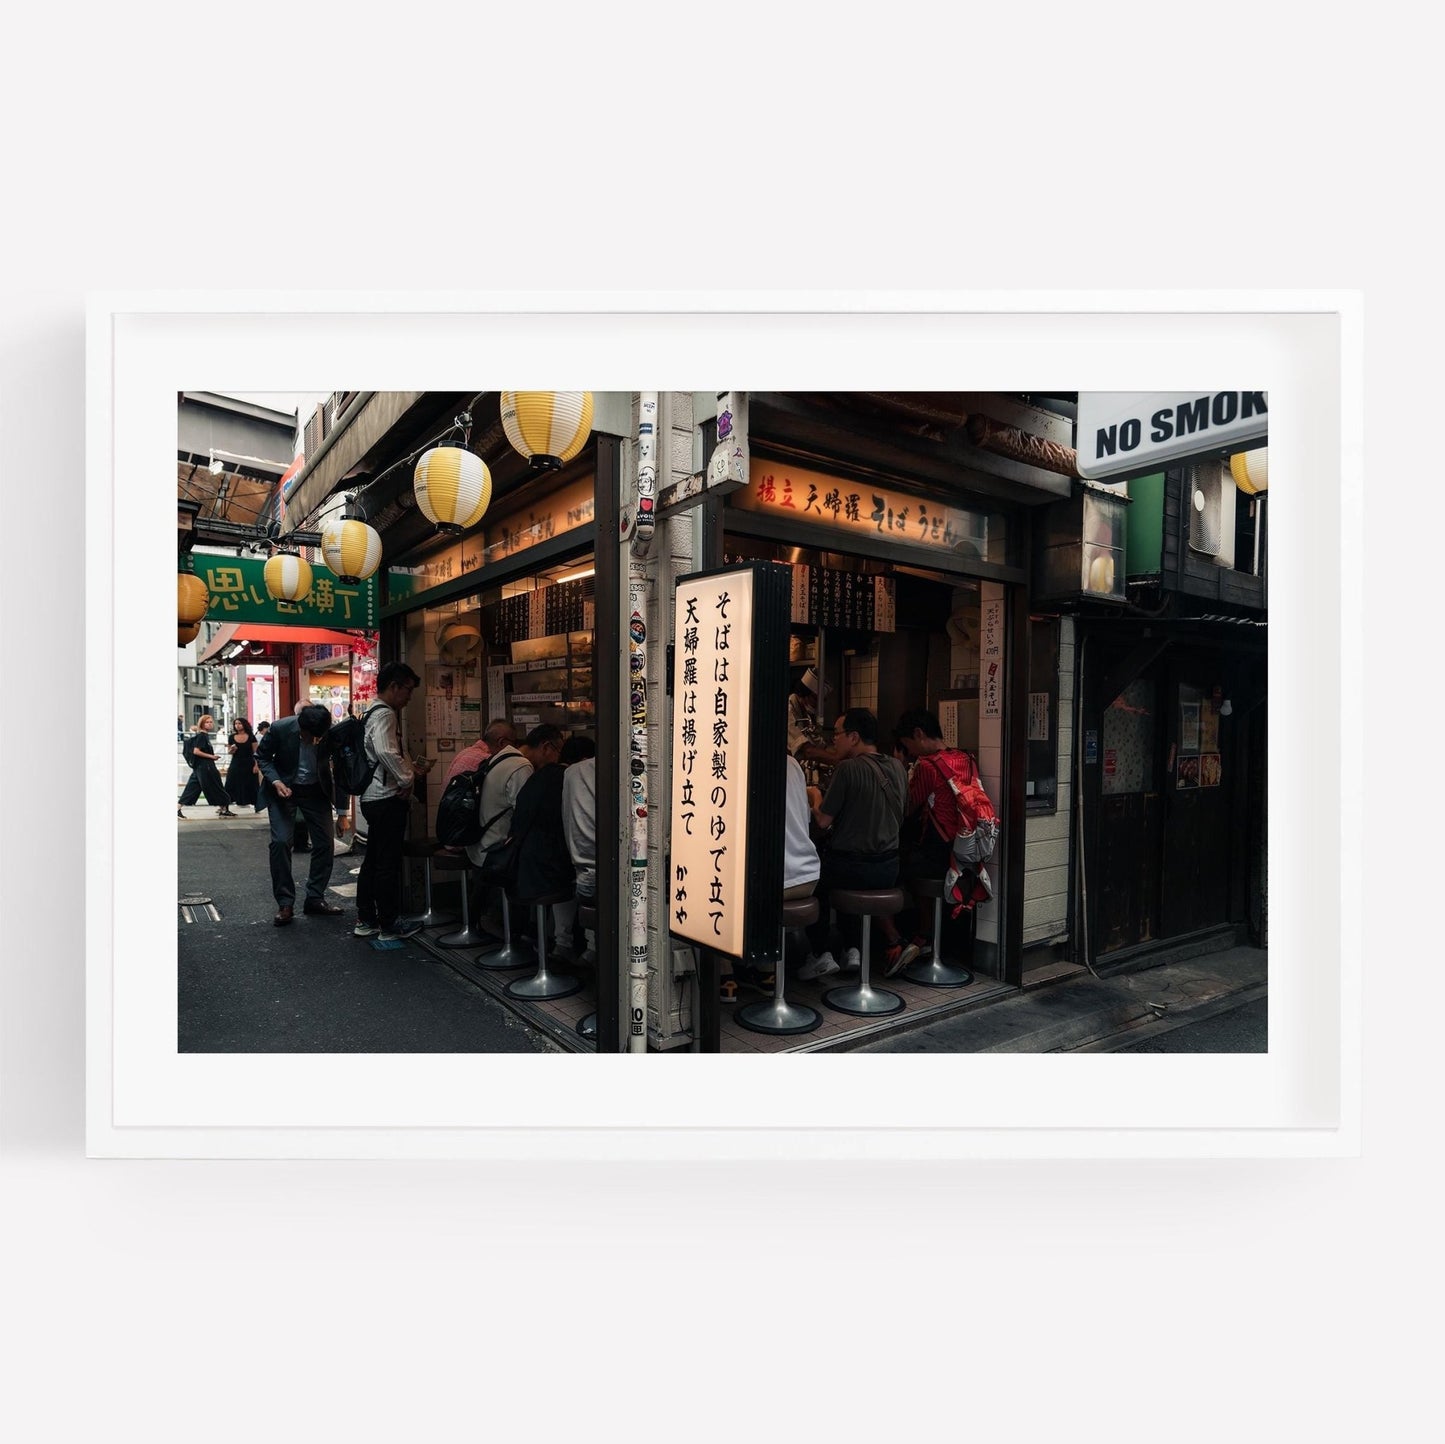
(192, 598)
(351, 548)
(187, 633)
(547, 427)
(453, 487)
(288, 577)
(1250, 470)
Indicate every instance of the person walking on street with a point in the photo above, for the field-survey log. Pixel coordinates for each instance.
(385, 805)
(243, 775)
(297, 770)
(205, 776)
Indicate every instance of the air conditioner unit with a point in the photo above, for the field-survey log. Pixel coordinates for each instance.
(1209, 498)
(314, 433)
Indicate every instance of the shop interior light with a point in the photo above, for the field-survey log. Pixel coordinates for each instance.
(577, 576)
(453, 488)
(548, 428)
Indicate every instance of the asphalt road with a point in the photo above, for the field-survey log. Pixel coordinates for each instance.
(1240, 1030)
(245, 986)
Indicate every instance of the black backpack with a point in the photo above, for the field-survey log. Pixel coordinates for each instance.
(347, 742)
(459, 813)
(188, 749)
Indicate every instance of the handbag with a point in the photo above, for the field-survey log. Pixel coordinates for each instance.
(498, 867)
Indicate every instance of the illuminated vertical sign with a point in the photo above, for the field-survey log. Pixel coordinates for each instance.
(730, 637)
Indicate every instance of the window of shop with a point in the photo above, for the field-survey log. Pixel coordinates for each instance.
(1042, 778)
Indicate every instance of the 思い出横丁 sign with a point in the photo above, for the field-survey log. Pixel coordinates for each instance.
(237, 593)
(1131, 433)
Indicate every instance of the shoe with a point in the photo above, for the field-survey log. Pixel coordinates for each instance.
(283, 916)
(897, 957)
(728, 991)
(911, 950)
(365, 930)
(852, 961)
(817, 967)
(400, 930)
(924, 945)
(322, 909)
(300, 849)
(759, 982)
(181, 815)
(228, 813)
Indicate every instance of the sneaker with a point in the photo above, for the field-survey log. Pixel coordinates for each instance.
(852, 961)
(759, 982)
(728, 990)
(817, 967)
(365, 930)
(924, 945)
(897, 957)
(402, 928)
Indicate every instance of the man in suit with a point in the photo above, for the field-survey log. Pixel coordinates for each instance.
(297, 767)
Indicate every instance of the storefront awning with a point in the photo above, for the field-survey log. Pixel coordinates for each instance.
(240, 633)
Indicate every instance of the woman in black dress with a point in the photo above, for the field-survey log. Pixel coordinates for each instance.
(242, 783)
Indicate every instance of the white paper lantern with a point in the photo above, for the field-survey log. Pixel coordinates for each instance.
(1250, 470)
(547, 427)
(351, 548)
(288, 577)
(453, 487)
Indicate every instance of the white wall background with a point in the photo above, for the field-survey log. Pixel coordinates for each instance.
(177, 1301)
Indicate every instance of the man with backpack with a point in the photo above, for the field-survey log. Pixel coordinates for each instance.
(385, 803)
(934, 814)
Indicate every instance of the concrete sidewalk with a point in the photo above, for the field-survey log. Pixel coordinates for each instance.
(1086, 1013)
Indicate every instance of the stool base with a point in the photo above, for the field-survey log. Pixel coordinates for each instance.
(507, 957)
(587, 1028)
(467, 937)
(931, 973)
(431, 918)
(864, 1001)
(543, 987)
(779, 1017)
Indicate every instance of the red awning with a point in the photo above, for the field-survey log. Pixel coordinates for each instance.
(262, 632)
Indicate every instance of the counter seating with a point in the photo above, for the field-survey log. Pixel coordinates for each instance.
(425, 848)
(864, 1000)
(932, 971)
(542, 985)
(778, 1016)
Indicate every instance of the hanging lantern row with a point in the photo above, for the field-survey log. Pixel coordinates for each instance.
(1250, 470)
(351, 548)
(548, 428)
(453, 487)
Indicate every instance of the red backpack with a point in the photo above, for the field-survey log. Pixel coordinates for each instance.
(967, 881)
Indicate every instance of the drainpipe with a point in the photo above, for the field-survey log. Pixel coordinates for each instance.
(641, 545)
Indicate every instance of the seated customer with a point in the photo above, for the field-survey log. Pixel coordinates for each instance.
(579, 823)
(543, 863)
(861, 814)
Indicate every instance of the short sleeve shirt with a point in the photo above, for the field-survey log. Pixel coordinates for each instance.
(866, 799)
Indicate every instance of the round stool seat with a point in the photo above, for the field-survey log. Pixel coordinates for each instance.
(926, 887)
(450, 861)
(419, 846)
(799, 912)
(878, 902)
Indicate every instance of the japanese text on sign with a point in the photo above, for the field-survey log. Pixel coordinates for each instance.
(990, 680)
(713, 628)
(237, 593)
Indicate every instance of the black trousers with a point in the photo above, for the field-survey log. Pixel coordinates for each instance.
(313, 805)
(850, 870)
(378, 885)
(205, 776)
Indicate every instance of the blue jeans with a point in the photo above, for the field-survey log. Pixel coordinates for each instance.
(313, 805)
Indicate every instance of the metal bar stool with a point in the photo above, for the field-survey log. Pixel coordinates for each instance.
(542, 985)
(933, 972)
(865, 1001)
(466, 936)
(425, 848)
(587, 916)
(511, 953)
(779, 1016)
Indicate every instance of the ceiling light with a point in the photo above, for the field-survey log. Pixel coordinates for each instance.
(577, 576)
